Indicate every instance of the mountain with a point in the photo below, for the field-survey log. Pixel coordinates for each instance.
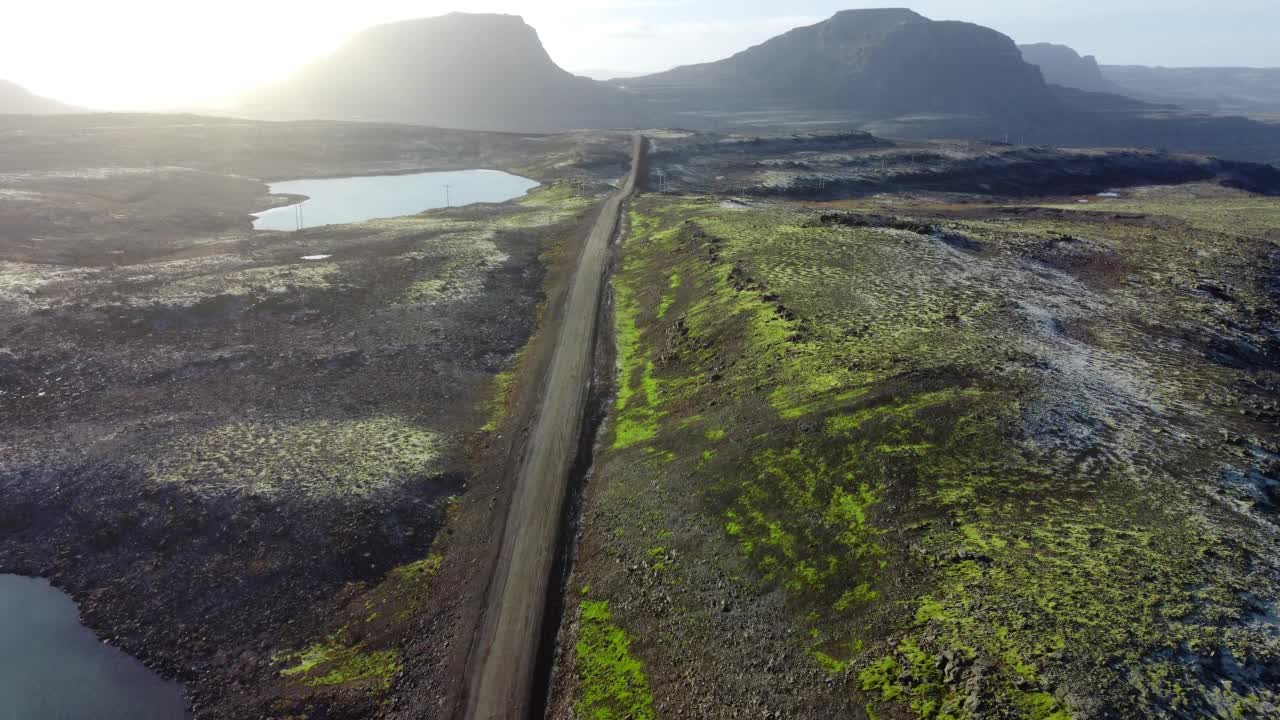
(1208, 89)
(1064, 66)
(17, 100)
(1225, 89)
(872, 63)
(478, 72)
(602, 74)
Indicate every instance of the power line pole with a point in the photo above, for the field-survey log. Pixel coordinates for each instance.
(448, 196)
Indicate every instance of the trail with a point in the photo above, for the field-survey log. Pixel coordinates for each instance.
(501, 677)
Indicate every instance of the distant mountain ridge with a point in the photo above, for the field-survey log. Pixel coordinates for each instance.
(1212, 89)
(892, 71)
(1208, 89)
(480, 72)
(1064, 66)
(875, 63)
(17, 100)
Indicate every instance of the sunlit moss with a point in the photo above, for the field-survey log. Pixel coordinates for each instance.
(333, 662)
(612, 682)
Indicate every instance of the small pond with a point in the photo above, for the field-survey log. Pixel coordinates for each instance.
(54, 668)
(336, 201)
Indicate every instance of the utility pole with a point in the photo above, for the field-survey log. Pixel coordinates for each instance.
(448, 197)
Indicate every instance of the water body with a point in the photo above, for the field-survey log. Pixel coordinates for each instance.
(336, 201)
(54, 668)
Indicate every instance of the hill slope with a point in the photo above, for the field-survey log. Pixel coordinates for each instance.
(482, 72)
(876, 63)
(17, 100)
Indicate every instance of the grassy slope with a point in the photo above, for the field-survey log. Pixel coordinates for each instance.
(980, 482)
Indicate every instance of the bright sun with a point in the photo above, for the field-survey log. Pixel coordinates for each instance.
(159, 54)
(147, 54)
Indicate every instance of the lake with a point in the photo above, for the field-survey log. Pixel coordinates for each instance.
(337, 201)
(54, 668)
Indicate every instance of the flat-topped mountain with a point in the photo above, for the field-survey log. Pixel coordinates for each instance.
(480, 72)
(874, 63)
(1064, 66)
(17, 100)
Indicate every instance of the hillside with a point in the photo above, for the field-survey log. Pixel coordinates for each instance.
(927, 456)
(479, 72)
(17, 100)
(1064, 66)
(876, 63)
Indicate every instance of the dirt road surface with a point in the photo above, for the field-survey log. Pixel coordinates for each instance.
(501, 675)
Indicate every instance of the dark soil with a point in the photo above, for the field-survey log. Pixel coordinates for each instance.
(156, 357)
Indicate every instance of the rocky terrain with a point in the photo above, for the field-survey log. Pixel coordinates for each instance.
(839, 165)
(238, 450)
(880, 425)
(936, 451)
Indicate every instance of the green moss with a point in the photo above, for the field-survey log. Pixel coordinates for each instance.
(881, 678)
(845, 424)
(637, 418)
(334, 662)
(1040, 706)
(545, 206)
(612, 683)
(424, 569)
(803, 522)
(378, 667)
(911, 677)
(829, 664)
(938, 389)
(502, 384)
(668, 299)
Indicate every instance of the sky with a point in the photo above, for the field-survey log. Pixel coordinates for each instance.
(169, 54)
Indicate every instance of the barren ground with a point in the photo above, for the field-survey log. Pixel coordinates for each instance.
(239, 461)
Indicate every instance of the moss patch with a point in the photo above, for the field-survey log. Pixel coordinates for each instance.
(333, 662)
(612, 683)
(962, 466)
